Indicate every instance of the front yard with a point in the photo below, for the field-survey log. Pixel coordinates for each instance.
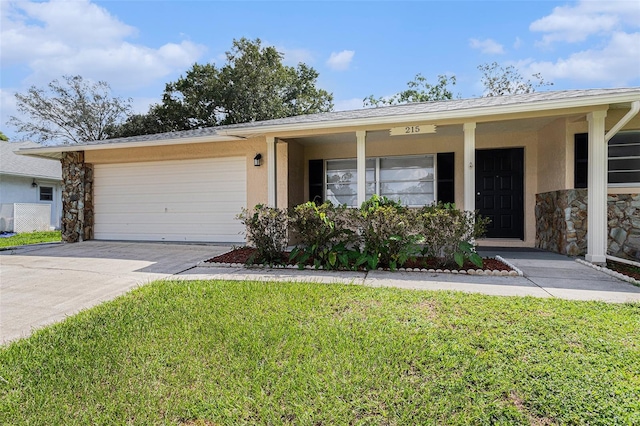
(216, 352)
(30, 238)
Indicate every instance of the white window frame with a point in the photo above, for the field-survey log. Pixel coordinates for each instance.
(377, 174)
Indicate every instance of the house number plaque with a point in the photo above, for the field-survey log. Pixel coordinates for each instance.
(413, 129)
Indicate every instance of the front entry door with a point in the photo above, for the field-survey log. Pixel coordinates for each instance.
(500, 191)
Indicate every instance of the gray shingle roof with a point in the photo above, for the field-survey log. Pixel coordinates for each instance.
(389, 111)
(21, 165)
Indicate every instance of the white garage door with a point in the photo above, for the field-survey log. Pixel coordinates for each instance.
(184, 200)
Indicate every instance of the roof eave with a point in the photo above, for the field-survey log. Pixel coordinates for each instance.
(55, 152)
(469, 113)
(35, 176)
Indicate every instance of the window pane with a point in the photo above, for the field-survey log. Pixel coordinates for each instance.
(624, 158)
(625, 138)
(406, 168)
(625, 177)
(624, 164)
(46, 193)
(342, 181)
(409, 180)
(624, 151)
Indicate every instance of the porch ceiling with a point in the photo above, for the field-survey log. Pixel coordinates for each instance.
(504, 126)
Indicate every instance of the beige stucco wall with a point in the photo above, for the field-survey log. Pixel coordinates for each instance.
(296, 165)
(552, 156)
(256, 176)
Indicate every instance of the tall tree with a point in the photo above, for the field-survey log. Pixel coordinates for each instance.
(69, 111)
(499, 80)
(252, 85)
(418, 90)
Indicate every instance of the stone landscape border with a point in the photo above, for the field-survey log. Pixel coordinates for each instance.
(610, 272)
(515, 272)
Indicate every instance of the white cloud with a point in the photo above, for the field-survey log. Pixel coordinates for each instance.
(294, 56)
(573, 24)
(518, 43)
(79, 37)
(348, 104)
(340, 61)
(487, 46)
(616, 63)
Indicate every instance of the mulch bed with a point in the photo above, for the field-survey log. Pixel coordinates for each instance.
(628, 270)
(242, 255)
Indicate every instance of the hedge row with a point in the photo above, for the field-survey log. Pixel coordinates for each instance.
(381, 233)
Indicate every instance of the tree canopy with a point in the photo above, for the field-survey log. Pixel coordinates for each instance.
(252, 85)
(418, 90)
(3, 137)
(69, 111)
(498, 80)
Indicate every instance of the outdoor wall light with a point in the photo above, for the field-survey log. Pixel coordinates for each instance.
(34, 184)
(257, 159)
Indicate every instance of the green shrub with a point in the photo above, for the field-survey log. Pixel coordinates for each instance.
(449, 233)
(381, 233)
(267, 232)
(324, 234)
(388, 233)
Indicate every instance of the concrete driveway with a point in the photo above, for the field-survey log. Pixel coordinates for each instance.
(44, 284)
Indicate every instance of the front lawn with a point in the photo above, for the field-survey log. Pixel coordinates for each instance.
(30, 238)
(217, 352)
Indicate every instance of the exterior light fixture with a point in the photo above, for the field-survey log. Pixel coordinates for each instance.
(257, 160)
(34, 184)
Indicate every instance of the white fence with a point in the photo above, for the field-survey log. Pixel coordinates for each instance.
(25, 217)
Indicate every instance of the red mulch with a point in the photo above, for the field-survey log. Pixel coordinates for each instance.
(628, 270)
(242, 254)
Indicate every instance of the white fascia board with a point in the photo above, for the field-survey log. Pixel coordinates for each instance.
(56, 151)
(40, 177)
(462, 114)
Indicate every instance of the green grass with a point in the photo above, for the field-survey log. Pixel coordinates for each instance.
(30, 238)
(216, 352)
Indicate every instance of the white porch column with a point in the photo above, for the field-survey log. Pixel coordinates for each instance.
(469, 166)
(597, 189)
(361, 164)
(271, 172)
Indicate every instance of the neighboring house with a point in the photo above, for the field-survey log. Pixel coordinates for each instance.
(521, 160)
(30, 180)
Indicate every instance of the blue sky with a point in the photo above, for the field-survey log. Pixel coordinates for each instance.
(359, 48)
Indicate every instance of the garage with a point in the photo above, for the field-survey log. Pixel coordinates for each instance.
(182, 200)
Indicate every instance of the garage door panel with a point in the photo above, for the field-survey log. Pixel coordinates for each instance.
(183, 220)
(210, 207)
(201, 237)
(121, 197)
(190, 200)
(171, 178)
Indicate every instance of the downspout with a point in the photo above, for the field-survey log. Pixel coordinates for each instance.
(635, 108)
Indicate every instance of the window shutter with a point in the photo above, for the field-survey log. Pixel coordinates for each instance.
(316, 181)
(581, 162)
(445, 176)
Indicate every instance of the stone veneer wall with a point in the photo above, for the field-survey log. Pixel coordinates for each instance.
(77, 198)
(624, 226)
(561, 223)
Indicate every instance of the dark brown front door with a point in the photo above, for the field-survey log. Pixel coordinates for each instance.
(500, 191)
